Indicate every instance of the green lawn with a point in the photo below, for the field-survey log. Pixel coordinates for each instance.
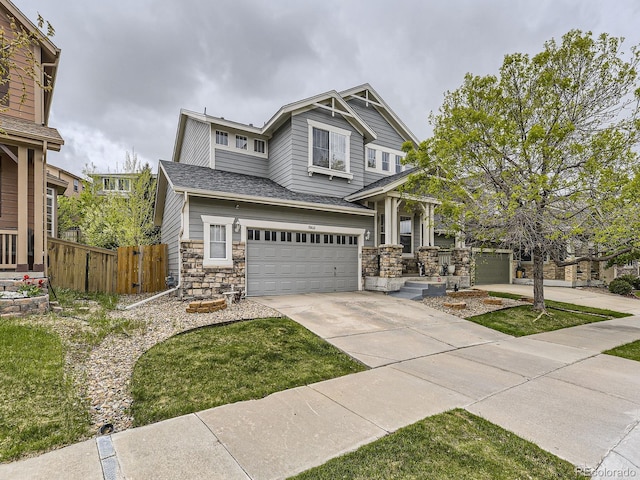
(39, 407)
(224, 364)
(522, 320)
(453, 445)
(629, 350)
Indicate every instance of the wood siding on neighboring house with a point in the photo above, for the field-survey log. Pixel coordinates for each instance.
(241, 163)
(223, 208)
(320, 184)
(18, 106)
(8, 193)
(170, 232)
(196, 143)
(280, 151)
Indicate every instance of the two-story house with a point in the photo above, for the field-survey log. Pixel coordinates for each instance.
(306, 203)
(25, 138)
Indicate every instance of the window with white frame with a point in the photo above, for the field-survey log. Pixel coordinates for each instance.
(222, 138)
(51, 210)
(405, 234)
(76, 185)
(217, 241)
(329, 149)
(382, 235)
(259, 146)
(241, 142)
(371, 158)
(398, 163)
(385, 161)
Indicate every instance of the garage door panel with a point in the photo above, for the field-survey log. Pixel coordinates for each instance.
(492, 268)
(276, 268)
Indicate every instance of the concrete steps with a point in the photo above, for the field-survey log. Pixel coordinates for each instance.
(418, 290)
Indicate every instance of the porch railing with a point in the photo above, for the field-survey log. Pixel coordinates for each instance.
(444, 258)
(8, 248)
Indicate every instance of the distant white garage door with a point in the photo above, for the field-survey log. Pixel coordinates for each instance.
(284, 262)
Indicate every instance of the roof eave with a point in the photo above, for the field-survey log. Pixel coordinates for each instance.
(279, 202)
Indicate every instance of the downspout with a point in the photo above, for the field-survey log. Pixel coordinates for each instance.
(177, 287)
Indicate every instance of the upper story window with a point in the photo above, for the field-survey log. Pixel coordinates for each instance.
(259, 146)
(222, 138)
(329, 150)
(371, 158)
(76, 185)
(241, 142)
(385, 161)
(113, 184)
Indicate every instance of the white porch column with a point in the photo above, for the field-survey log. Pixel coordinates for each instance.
(39, 223)
(432, 225)
(22, 260)
(388, 220)
(395, 238)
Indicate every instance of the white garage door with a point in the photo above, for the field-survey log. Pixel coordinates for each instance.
(284, 262)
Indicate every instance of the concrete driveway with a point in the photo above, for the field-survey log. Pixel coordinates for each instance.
(380, 330)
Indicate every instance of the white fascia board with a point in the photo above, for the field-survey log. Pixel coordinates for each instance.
(376, 191)
(222, 122)
(276, 202)
(177, 143)
(380, 103)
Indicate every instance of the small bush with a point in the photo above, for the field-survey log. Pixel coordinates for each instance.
(620, 287)
(631, 280)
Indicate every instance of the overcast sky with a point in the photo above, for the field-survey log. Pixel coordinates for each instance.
(129, 66)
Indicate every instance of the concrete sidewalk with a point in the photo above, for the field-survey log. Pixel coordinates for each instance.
(554, 389)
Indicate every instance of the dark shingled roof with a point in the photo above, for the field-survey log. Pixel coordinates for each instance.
(27, 128)
(384, 181)
(184, 176)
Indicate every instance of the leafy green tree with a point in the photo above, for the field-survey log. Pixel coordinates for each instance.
(543, 156)
(111, 221)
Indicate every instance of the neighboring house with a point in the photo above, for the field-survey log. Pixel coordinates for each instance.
(115, 183)
(25, 140)
(59, 182)
(307, 203)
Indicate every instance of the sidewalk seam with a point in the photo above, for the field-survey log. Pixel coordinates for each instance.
(196, 414)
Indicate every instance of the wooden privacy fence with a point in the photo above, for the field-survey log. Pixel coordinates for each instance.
(142, 269)
(80, 267)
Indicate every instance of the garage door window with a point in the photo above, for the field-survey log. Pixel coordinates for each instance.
(217, 241)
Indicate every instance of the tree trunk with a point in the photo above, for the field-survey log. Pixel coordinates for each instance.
(538, 279)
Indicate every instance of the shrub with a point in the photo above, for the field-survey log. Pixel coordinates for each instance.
(620, 287)
(631, 280)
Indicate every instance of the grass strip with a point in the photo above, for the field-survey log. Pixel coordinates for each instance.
(39, 406)
(452, 445)
(214, 366)
(630, 351)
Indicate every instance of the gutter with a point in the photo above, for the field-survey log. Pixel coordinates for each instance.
(177, 287)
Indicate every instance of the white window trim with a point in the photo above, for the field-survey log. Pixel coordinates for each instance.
(231, 147)
(328, 171)
(412, 219)
(227, 222)
(392, 165)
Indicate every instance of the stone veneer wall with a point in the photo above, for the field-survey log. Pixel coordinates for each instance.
(370, 262)
(390, 261)
(17, 307)
(204, 282)
(461, 258)
(429, 257)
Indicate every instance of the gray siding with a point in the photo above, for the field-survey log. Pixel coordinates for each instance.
(203, 206)
(240, 163)
(387, 135)
(280, 156)
(196, 143)
(321, 184)
(170, 233)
